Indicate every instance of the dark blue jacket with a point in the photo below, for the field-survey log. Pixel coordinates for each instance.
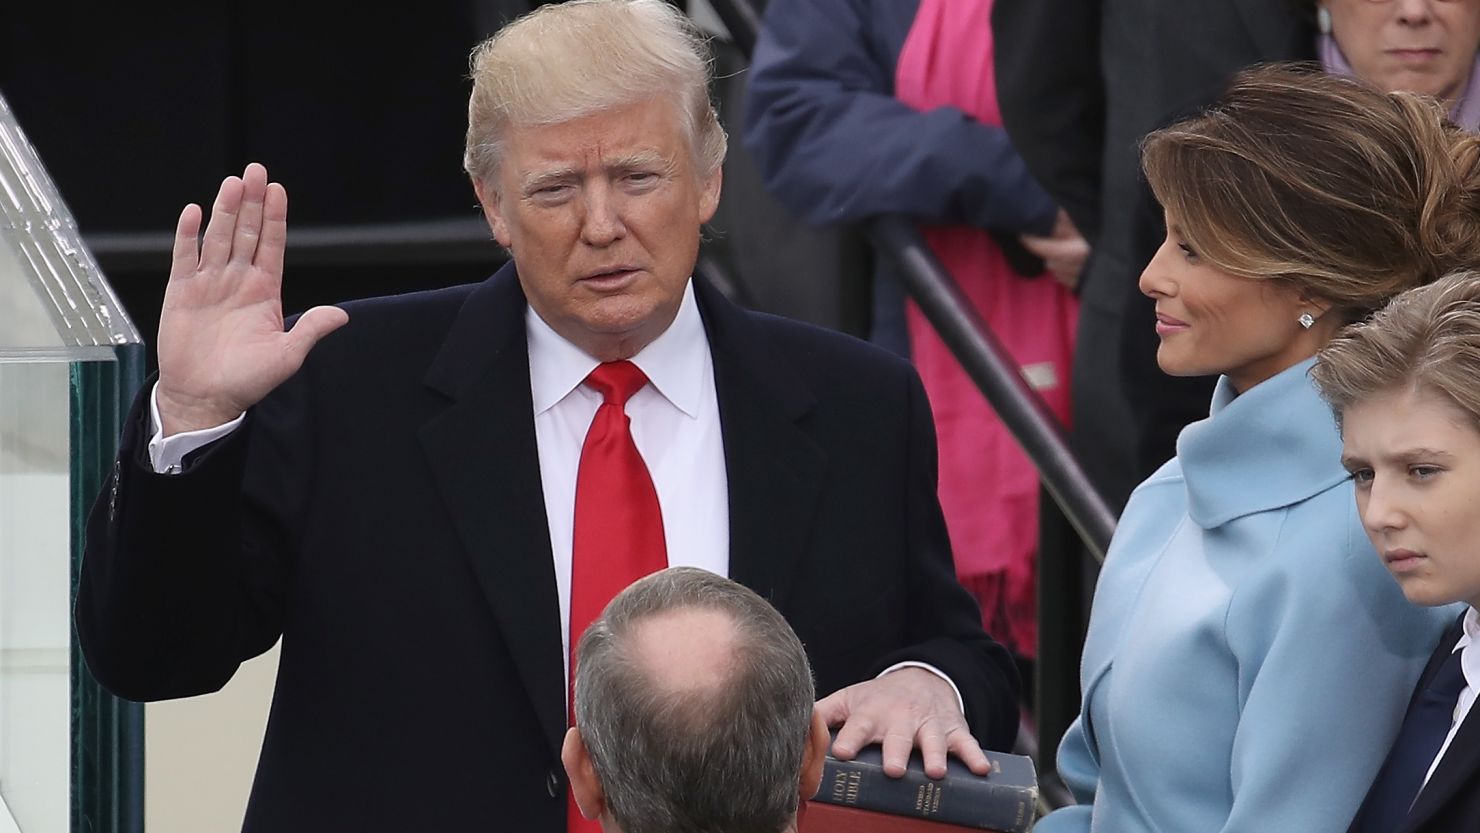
(834, 145)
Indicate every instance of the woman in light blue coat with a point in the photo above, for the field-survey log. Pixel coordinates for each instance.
(1248, 658)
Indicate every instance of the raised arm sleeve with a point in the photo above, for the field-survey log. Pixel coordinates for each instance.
(183, 575)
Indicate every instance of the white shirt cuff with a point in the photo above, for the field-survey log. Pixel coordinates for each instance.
(167, 453)
(960, 704)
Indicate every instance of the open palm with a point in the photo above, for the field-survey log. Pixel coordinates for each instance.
(222, 347)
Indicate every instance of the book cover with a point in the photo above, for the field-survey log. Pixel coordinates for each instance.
(1004, 800)
(821, 817)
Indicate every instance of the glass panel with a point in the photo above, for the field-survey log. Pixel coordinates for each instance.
(35, 576)
(71, 755)
(23, 318)
(53, 300)
(107, 733)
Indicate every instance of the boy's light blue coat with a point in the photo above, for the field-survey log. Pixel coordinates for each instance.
(1249, 658)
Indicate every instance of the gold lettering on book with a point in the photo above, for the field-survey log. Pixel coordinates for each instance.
(927, 799)
(845, 787)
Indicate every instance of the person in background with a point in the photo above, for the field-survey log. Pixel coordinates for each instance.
(860, 108)
(1248, 659)
(429, 497)
(693, 711)
(1405, 388)
(1423, 46)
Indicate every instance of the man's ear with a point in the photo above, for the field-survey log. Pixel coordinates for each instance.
(709, 196)
(583, 780)
(493, 211)
(812, 758)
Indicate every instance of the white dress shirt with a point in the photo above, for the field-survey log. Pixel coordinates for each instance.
(675, 425)
(1469, 663)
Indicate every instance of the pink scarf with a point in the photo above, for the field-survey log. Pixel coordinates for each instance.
(988, 487)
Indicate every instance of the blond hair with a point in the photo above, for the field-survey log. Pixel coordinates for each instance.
(568, 60)
(1338, 190)
(1426, 339)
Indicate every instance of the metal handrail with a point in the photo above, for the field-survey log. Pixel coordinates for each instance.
(444, 241)
(988, 364)
(440, 242)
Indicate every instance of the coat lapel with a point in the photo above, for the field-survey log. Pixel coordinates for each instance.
(1461, 760)
(485, 463)
(1458, 769)
(774, 468)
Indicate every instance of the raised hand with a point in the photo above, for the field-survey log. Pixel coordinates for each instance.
(904, 709)
(221, 343)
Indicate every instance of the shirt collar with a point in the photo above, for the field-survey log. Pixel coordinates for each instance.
(674, 362)
(1469, 646)
(1471, 630)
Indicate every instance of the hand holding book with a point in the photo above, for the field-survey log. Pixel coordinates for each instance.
(907, 709)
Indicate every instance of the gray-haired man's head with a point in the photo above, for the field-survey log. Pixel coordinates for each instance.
(693, 711)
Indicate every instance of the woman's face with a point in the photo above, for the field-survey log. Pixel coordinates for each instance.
(1415, 460)
(1212, 322)
(1422, 46)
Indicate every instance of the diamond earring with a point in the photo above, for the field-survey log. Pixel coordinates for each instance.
(1307, 320)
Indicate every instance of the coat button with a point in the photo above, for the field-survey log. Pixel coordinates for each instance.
(552, 784)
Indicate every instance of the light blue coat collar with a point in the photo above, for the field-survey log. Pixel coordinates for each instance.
(1257, 451)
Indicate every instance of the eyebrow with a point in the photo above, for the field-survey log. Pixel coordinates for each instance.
(1407, 456)
(536, 181)
(635, 161)
(640, 159)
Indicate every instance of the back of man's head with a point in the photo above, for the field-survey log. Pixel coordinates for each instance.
(693, 710)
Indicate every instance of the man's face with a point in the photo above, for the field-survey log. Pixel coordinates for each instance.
(602, 216)
(1415, 461)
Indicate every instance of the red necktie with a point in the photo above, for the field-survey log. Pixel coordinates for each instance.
(618, 535)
